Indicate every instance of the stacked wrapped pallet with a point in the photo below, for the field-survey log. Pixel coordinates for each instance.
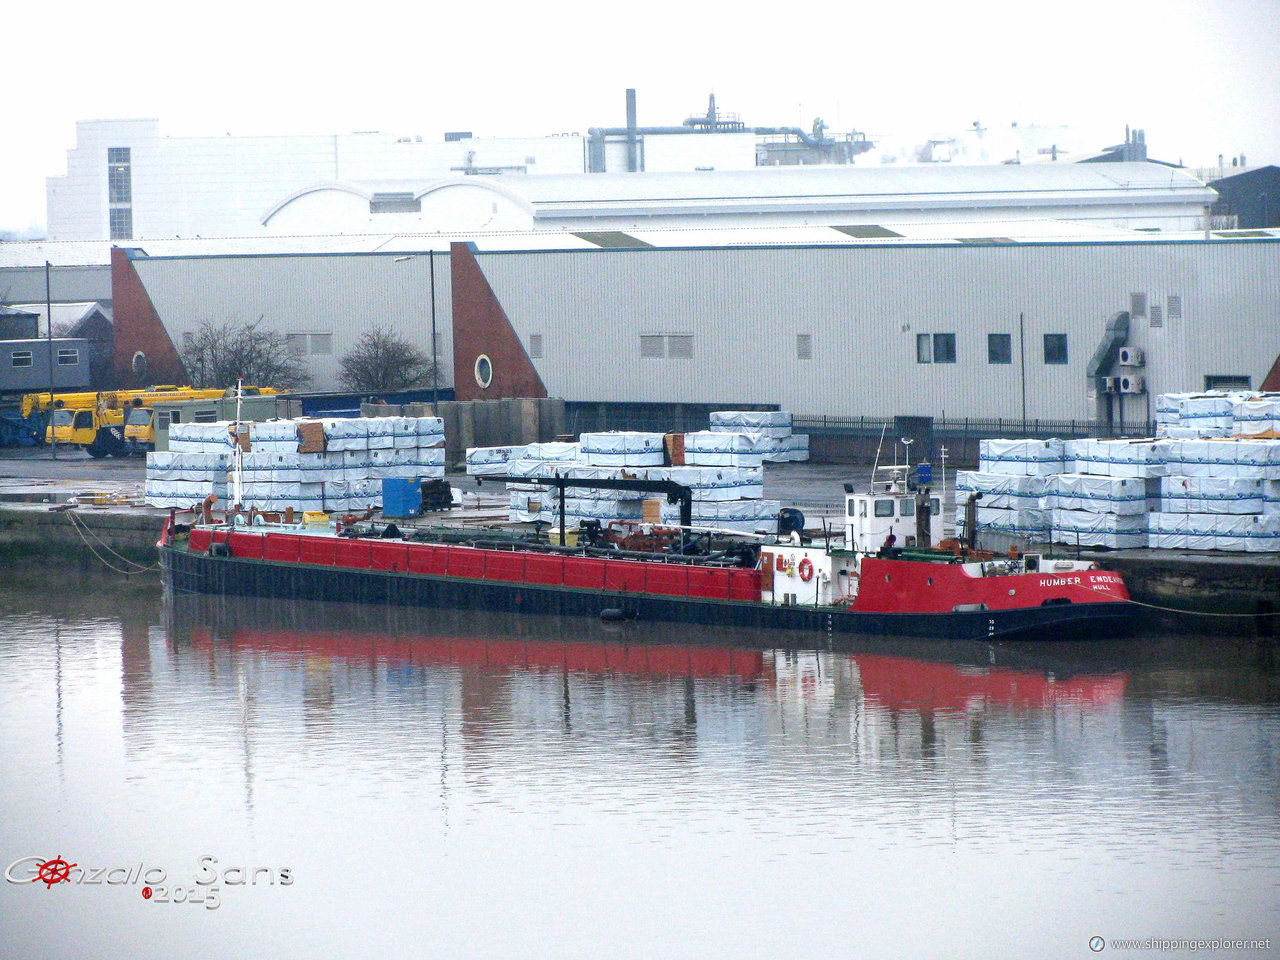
(1201, 494)
(725, 494)
(1217, 413)
(332, 464)
(768, 433)
(1218, 494)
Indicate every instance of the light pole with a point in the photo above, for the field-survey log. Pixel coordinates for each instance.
(435, 362)
(48, 316)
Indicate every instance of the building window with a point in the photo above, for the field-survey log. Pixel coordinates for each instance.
(1055, 348)
(535, 346)
(20, 358)
(1157, 315)
(1137, 306)
(121, 220)
(924, 348)
(314, 344)
(999, 348)
(68, 358)
(680, 346)
(804, 346)
(673, 346)
(1174, 305)
(119, 177)
(944, 348)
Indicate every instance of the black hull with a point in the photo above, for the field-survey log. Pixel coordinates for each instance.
(186, 572)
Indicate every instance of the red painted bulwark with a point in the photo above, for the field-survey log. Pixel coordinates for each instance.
(138, 327)
(481, 327)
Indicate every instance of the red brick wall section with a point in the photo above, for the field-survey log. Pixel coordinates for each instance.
(480, 326)
(1272, 381)
(138, 327)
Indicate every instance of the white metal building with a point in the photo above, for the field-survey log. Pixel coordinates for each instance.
(837, 328)
(126, 182)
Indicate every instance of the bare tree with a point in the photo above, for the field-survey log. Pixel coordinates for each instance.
(382, 362)
(216, 354)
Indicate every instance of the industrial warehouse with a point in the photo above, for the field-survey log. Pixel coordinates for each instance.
(992, 329)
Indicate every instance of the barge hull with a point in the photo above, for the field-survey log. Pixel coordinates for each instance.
(187, 572)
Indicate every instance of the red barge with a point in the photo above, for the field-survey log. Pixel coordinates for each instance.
(859, 585)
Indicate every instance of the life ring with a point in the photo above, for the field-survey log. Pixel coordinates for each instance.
(806, 569)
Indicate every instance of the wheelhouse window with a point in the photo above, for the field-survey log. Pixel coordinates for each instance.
(884, 508)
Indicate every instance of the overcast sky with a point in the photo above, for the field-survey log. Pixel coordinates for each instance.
(1202, 77)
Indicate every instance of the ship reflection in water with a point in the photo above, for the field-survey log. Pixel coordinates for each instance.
(506, 786)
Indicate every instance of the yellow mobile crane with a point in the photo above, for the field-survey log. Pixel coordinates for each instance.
(111, 422)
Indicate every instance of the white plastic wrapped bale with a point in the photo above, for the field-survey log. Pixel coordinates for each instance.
(1079, 491)
(1231, 532)
(1029, 524)
(430, 431)
(274, 436)
(738, 516)
(1240, 495)
(182, 493)
(798, 448)
(1258, 418)
(1036, 458)
(1113, 530)
(708, 449)
(526, 506)
(346, 433)
(720, 483)
(314, 468)
(337, 495)
(200, 437)
(1209, 414)
(534, 469)
(162, 465)
(1271, 496)
(1126, 458)
(1167, 531)
(414, 462)
(311, 496)
(1003, 491)
(1262, 534)
(491, 461)
(566, 453)
(768, 423)
(381, 432)
(1259, 459)
(577, 509)
(355, 465)
(622, 449)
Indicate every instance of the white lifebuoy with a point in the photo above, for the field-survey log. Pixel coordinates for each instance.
(806, 569)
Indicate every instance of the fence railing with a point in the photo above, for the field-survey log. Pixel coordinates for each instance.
(1009, 428)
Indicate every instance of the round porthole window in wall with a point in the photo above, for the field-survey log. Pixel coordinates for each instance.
(484, 371)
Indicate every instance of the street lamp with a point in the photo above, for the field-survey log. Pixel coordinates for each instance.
(435, 363)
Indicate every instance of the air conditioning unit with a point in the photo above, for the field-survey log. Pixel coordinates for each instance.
(1132, 384)
(1110, 384)
(1130, 357)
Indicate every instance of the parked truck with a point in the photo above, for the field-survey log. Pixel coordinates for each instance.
(115, 423)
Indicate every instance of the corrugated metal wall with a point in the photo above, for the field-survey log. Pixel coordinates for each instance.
(863, 308)
(340, 294)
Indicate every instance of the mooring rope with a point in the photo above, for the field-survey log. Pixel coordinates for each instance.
(80, 527)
